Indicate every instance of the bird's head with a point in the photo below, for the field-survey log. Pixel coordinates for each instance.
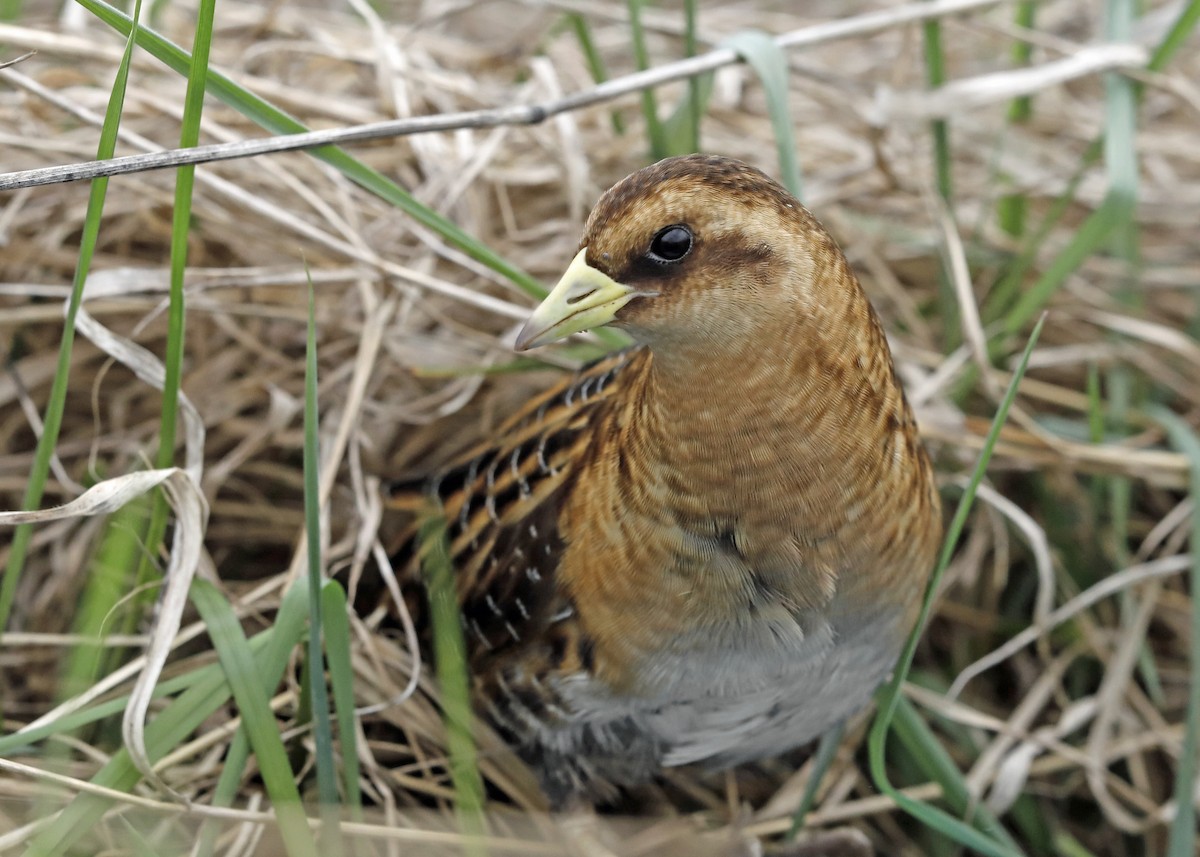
(697, 249)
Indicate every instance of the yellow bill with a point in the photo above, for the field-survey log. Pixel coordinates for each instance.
(583, 299)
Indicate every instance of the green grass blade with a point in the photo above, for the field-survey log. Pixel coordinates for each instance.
(695, 100)
(1120, 149)
(826, 751)
(654, 126)
(1086, 240)
(319, 700)
(1182, 839)
(1067, 845)
(288, 629)
(681, 126)
(888, 699)
(1011, 208)
(176, 306)
(341, 677)
(1176, 36)
(595, 62)
(168, 729)
(244, 678)
(681, 130)
(55, 405)
(185, 179)
(769, 62)
(225, 791)
(450, 658)
(1008, 288)
(138, 842)
(935, 76)
(109, 577)
(157, 9)
(1010, 284)
(936, 765)
(178, 720)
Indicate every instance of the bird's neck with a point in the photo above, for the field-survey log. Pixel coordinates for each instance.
(788, 395)
(736, 414)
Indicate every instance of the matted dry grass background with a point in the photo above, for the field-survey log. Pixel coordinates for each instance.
(419, 320)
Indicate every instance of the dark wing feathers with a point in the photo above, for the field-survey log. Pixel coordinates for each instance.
(501, 502)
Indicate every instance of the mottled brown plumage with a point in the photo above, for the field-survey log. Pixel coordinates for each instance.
(707, 548)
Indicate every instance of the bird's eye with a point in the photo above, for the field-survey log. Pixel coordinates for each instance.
(671, 244)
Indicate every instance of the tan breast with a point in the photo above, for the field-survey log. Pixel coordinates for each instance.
(699, 512)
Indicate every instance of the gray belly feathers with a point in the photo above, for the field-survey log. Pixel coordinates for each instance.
(719, 704)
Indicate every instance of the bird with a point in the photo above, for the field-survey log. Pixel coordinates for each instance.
(710, 546)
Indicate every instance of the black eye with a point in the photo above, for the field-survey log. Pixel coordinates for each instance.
(671, 244)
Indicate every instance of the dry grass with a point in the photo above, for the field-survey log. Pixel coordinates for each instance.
(405, 324)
